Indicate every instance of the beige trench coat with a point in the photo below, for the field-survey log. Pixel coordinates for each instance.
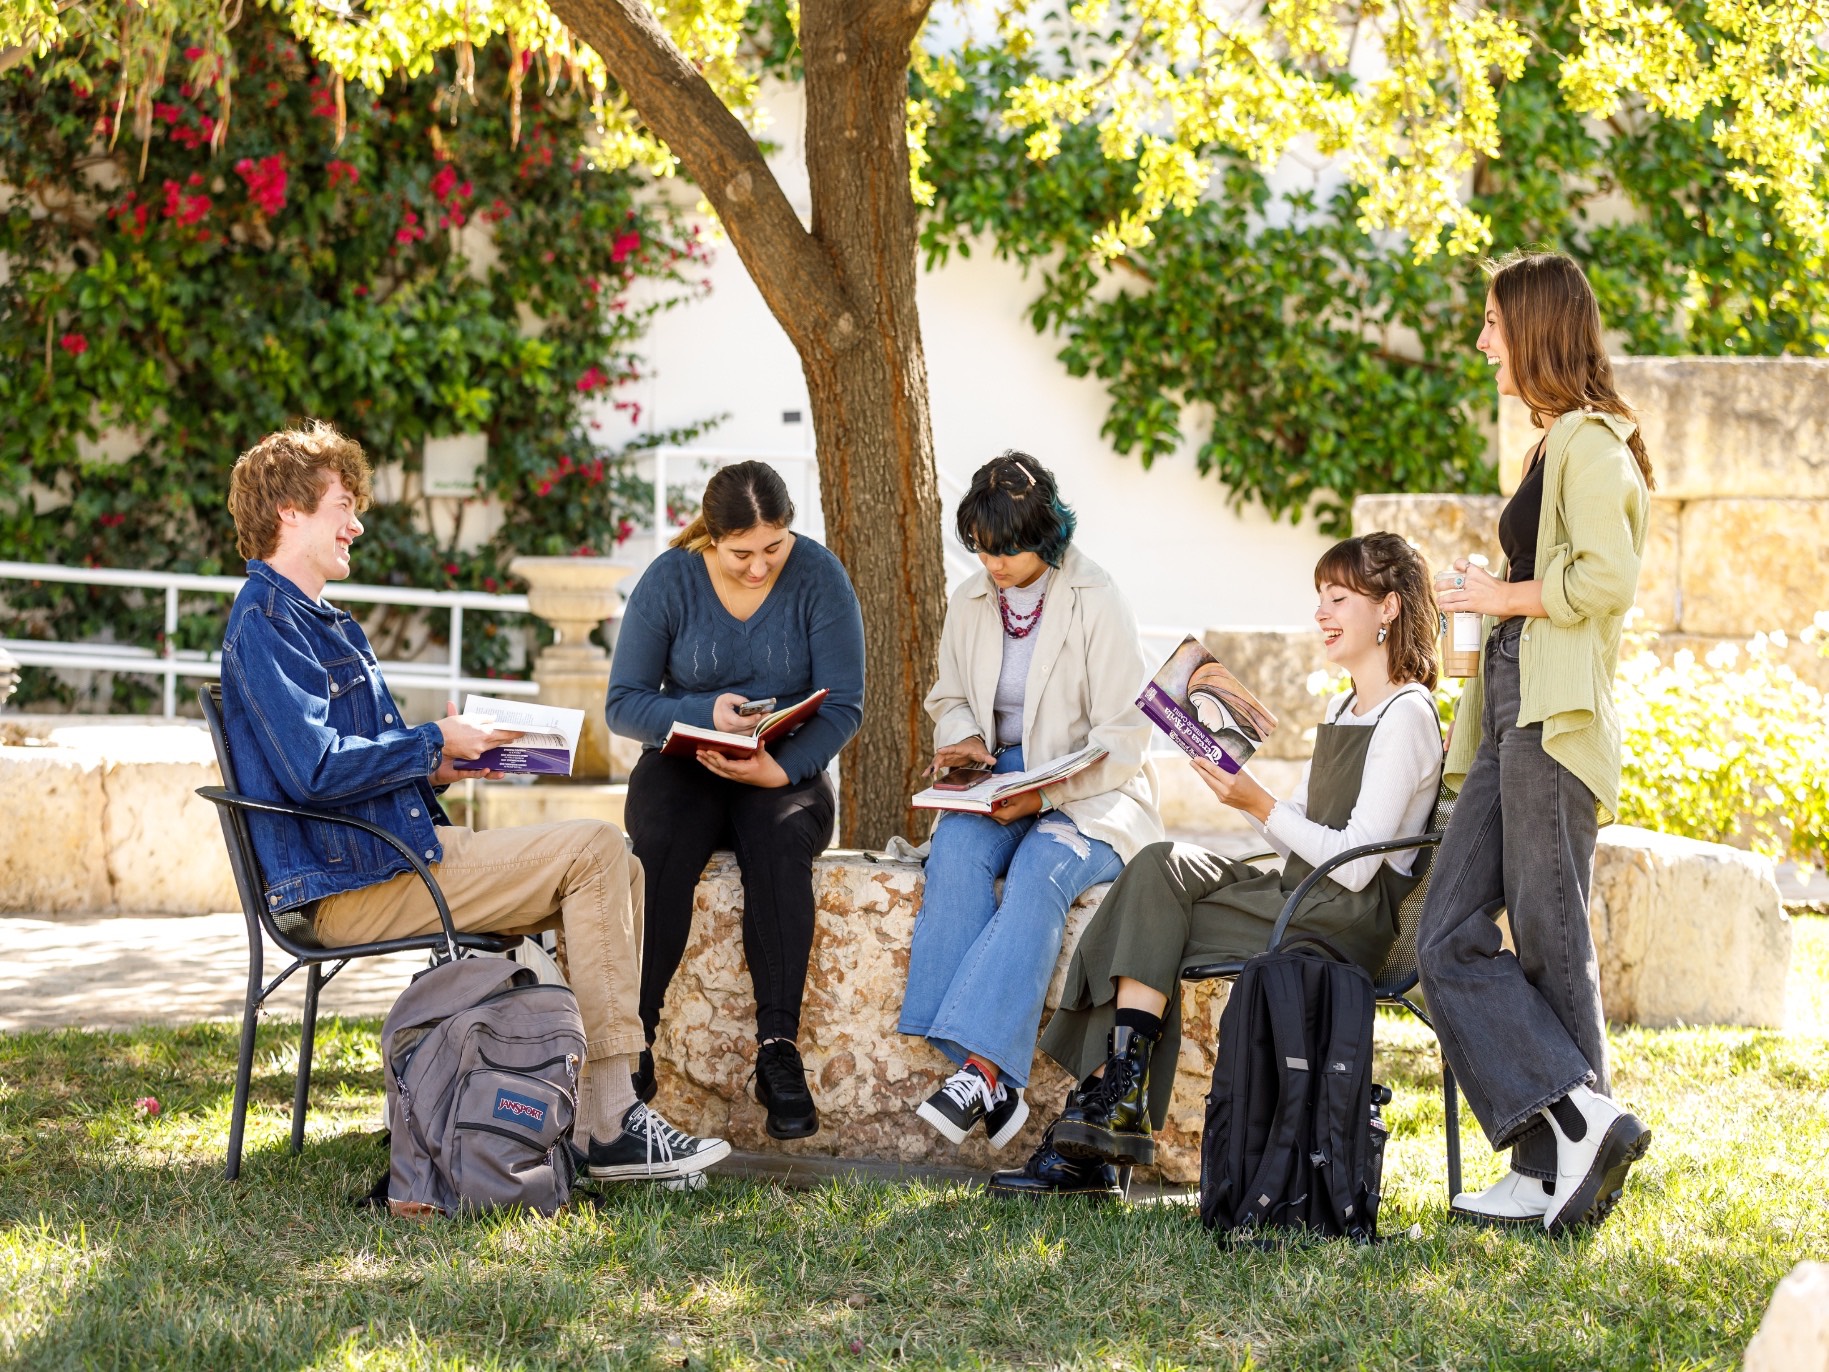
(1082, 689)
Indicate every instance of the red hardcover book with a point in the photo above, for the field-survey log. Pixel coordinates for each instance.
(688, 740)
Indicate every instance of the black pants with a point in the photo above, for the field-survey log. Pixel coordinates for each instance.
(679, 814)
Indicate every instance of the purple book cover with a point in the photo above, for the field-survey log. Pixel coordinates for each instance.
(1204, 709)
(514, 759)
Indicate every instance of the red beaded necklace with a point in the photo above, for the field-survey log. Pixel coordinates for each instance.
(1020, 625)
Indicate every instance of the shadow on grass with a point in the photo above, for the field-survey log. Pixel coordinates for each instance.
(121, 1245)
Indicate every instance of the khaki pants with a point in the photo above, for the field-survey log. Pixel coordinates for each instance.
(580, 870)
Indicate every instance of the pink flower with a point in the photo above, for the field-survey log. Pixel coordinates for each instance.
(593, 379)
(191, 54)
(624, 245)
(147, 1105)
(341, 171)
(266, 182)
(74, 344)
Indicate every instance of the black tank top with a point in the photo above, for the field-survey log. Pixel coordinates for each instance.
(1519, 519)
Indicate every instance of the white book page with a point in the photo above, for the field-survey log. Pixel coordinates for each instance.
(559, 726)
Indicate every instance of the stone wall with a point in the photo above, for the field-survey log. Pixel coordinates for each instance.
(104, 817)
(867, 1078)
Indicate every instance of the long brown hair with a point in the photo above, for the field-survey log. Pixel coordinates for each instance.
(1376, 565)
(1553, 343)
(738, 497)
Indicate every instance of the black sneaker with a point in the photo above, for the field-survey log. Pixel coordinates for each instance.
(780, 1085)
(642, 1078)
(650, 1149)
(965, 1098)
(1005, 1119)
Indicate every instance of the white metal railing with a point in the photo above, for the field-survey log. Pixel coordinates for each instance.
(172, 664)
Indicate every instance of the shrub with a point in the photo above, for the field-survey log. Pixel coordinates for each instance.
(1732, 747)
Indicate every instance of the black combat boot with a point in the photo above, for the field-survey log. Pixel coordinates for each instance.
(1047, 1173)
(1109, 1121)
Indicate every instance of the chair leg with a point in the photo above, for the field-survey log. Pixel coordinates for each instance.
(244, 1064)
(1124, 1171)
(301, 1093)
(1451, 1119)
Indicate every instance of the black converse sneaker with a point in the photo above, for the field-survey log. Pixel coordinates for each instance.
(967, 1097)
(650, 1149)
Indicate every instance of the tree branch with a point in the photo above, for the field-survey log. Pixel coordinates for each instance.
(795, 277)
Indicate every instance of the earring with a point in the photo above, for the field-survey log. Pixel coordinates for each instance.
(1384, 632)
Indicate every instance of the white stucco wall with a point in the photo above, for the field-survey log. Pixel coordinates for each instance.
(1184, 558)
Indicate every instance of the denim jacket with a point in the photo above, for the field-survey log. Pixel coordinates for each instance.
(311, 723)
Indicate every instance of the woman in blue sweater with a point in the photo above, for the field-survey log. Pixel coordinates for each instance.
(740, 608)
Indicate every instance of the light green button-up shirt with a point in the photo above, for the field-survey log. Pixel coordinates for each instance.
(1590, 542)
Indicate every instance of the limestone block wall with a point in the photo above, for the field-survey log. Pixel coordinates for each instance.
(867, 1078)
(1687, 932)
(104, 817)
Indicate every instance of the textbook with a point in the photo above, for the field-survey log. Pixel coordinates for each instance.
(548, 736)
(1204, 709)
(687, 740)
(987, 795)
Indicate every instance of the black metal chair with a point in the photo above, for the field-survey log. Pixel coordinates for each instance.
(291, 929)
(1393, 982)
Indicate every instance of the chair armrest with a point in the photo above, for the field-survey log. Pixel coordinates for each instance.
(221, 795)
(1389, 845)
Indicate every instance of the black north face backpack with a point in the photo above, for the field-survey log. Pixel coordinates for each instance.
(1293, 1137)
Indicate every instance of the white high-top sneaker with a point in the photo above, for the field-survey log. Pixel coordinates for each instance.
(1591, 1170)
(1513, 1199)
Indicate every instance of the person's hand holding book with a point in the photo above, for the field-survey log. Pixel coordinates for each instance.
(758, 769)
(1238, 789)
(1017, 807)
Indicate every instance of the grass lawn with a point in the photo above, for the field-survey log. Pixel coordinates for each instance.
(120, 1245)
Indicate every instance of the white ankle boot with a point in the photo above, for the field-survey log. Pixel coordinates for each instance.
(1513, 1199)
(1591, 1170)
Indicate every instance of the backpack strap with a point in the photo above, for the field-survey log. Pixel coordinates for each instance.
(1282, 1001)
(1341, 1105)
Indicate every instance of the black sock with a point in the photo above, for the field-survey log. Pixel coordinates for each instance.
(1568, 1115)
(1142, 1021)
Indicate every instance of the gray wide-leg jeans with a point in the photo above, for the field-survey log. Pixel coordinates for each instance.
(1519, 1031)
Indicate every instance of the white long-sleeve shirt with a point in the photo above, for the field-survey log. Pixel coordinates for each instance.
(1403, 772)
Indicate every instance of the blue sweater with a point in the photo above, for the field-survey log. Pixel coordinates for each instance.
(679, 649)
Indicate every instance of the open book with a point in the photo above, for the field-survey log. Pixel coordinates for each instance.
(548, 736)
(987, 795)
(685, 740)
(1204, 709)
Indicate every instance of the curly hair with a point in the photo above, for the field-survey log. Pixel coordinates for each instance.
(1013, 506)
(1376, 565)
(292, 467)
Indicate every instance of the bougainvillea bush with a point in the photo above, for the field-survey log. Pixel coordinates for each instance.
(429, 274)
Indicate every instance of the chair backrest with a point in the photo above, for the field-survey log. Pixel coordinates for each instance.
(291, 929)
(1398, 974)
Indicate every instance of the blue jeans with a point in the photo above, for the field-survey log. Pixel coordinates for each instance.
(979, 968)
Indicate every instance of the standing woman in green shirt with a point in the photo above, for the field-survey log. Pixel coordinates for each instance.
(1536, 751)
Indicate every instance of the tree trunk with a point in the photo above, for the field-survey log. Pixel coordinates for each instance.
(869, 402)
(844, 292)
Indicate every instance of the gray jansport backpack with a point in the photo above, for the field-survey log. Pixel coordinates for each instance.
(482, 1063)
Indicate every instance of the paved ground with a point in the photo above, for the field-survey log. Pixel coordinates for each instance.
(115, 971)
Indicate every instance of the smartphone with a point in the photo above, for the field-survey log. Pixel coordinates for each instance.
(963, 778)
(749, 709)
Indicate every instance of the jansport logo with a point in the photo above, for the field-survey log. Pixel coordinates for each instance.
(529, 1114)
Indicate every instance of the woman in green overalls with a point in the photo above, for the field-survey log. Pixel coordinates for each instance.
(1375, 773)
